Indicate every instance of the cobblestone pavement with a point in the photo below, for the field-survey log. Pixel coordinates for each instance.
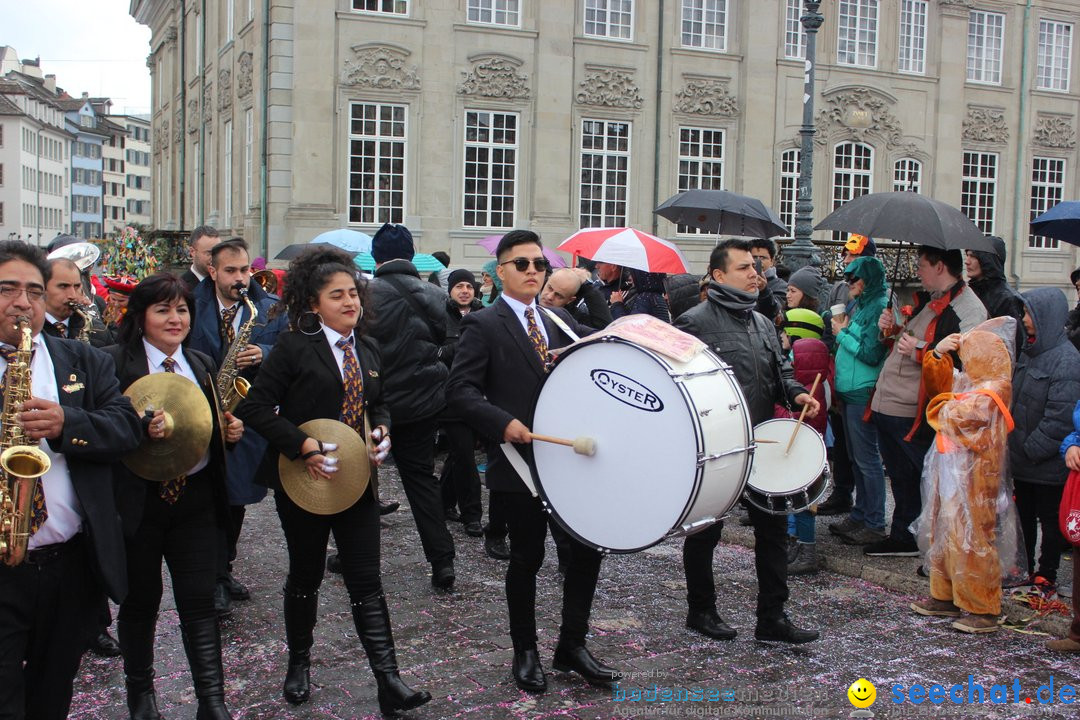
(456, 646)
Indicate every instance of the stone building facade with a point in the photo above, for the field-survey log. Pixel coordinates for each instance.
(278, 119)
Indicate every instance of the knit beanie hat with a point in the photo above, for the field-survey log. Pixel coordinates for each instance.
(460, 276)
(392, 242)
(807, 279)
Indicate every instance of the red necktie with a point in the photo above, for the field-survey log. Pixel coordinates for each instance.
(39, 511)
(171, 490)
(352, 406)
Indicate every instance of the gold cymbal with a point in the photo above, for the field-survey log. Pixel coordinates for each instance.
(344, 488)
(189, 423)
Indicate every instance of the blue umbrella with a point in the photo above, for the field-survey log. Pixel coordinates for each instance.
(1061, 221)
(348, 240)
(422, 261)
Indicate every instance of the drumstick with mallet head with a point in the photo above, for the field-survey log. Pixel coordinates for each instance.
(798, 425)
(581, 445)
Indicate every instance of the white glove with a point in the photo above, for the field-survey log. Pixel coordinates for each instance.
(329, 464)
(382, 450)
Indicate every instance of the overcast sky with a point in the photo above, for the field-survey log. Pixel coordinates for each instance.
(91, 46)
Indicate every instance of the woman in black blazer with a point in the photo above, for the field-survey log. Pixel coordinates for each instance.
(312, 373)
(177, 520)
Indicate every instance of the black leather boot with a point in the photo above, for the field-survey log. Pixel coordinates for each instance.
(202, 641)
(372, 619)
(137, 646)
(300, 611)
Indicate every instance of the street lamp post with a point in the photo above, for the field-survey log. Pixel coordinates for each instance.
(803, 251)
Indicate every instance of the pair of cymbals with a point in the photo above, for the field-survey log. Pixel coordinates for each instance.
(322, 496)
(188, 419)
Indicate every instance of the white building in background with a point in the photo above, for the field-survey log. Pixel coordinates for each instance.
(464, 118)
(137, 181)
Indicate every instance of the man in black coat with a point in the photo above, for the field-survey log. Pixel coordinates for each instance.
(61, 320)
(986, 276)
(49, 604)
(500, 363)
(201, 241)
(410, 325)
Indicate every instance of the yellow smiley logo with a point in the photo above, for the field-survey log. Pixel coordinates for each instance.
(862, 693)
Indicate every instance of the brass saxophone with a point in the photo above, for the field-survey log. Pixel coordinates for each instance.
(88, 313)
(231, 387)
(21, 462)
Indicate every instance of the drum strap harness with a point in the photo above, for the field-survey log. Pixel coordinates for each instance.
(559, 321)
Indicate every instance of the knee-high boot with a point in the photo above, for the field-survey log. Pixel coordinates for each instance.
(202, 641)
(372, 619)
(300, 611)
(137, 647)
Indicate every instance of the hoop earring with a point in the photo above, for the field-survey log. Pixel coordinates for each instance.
(361, 315)
(318, 322)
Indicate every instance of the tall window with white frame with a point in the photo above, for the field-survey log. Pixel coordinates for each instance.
(230, 18)
(794, 34)
(249, 155)
(1047, 190)
(377, 136)
(911, 56)
(978, 188)
(1054, 57)
(609, 19)
(386, 7)
(226, 182)
(605, 173)
(856, 37)
(704, 24)
(491, 151)
(853, 174)
(986, 42)
(907, 175)
(701, 163)
(494, 12)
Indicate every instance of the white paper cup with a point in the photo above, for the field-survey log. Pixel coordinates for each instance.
(838, 309)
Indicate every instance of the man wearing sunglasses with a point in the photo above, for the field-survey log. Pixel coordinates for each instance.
(501, 359)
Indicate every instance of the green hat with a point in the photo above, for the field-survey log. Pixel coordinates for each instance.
(803, 323)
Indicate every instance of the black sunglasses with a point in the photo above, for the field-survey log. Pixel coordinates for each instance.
(522, 264)
(851, 279)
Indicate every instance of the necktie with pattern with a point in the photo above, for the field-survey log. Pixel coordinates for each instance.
(352, 405)
(39, 511)
(228, 332)
(171, 490)
(61, 329)
(537, 338)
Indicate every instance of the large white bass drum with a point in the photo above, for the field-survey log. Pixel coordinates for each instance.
(674, 444)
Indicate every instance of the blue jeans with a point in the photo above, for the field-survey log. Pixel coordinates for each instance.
(862, 447)
(904, 463)
(804, 526)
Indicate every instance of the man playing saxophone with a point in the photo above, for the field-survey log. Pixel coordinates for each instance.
(78, 418)
(68, 312)
(222, 322)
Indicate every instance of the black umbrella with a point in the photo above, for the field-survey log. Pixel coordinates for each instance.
(1061, 221)
(290, 251)
(723, 213)
(908, 217)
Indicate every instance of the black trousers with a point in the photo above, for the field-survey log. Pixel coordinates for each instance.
(460, 481)
(770, 562)
(413, 447)
(356, 533)
(48, 613)
(527, 522)
(496, 526)
(842, 474)
(1037, 505)
(228, 537)
(185, 535)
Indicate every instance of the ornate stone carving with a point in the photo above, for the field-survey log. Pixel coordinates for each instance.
(381, 67)
(706, 96)
(178, 127)
(1054, 131)
(243, 75)
(495, 77)
(224, 90)
(961, 3)
(859, 114)
(163, 134)
(208, 103)
(609, 87)
(170, 34)
(193, 116)
(984, 124)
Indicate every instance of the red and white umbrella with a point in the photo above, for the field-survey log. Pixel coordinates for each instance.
(627, 247)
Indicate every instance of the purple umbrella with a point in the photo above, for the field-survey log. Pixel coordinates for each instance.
(492, 241)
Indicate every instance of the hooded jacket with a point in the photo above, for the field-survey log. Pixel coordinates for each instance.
(811, 357)
(496, 284)
(860, 352)
(993, 289)
(645, 297)
(1045, 388)
(683, 292)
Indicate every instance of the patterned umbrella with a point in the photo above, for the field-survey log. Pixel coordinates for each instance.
(422, 261)
(627, 247)
(348, 240)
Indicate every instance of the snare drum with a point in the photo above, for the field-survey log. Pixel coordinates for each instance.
(673, 444)
(781, 483)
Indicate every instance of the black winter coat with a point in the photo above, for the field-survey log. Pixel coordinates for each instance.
(993, 289)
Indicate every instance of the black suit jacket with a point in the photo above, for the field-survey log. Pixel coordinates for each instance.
(496, 377)
(131, 364)
(100, 336)
(302, 380)
(99, 425)
(189, 279)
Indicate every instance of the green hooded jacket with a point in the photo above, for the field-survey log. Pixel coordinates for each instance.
(860, 353)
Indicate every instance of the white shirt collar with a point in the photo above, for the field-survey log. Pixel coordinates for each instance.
(196, 273)
(519, 307)
(156, 357)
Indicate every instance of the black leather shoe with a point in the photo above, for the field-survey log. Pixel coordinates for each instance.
(442, 576)
(222, 600)
(528, 672)
(385, 508)
(837, 504)
(105, 645)
(580, 660)
(781, 630)
(495, 547)
(710, 624)
(452, 514)
(333, 564)
(237, 590)
(473, 529)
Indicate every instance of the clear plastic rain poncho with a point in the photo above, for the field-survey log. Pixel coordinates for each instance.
(969, 530)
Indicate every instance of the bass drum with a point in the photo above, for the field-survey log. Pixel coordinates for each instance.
(673, 444)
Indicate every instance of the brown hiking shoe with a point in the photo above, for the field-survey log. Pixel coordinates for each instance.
(1063, 645)
(971, 623)
(933, 607)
